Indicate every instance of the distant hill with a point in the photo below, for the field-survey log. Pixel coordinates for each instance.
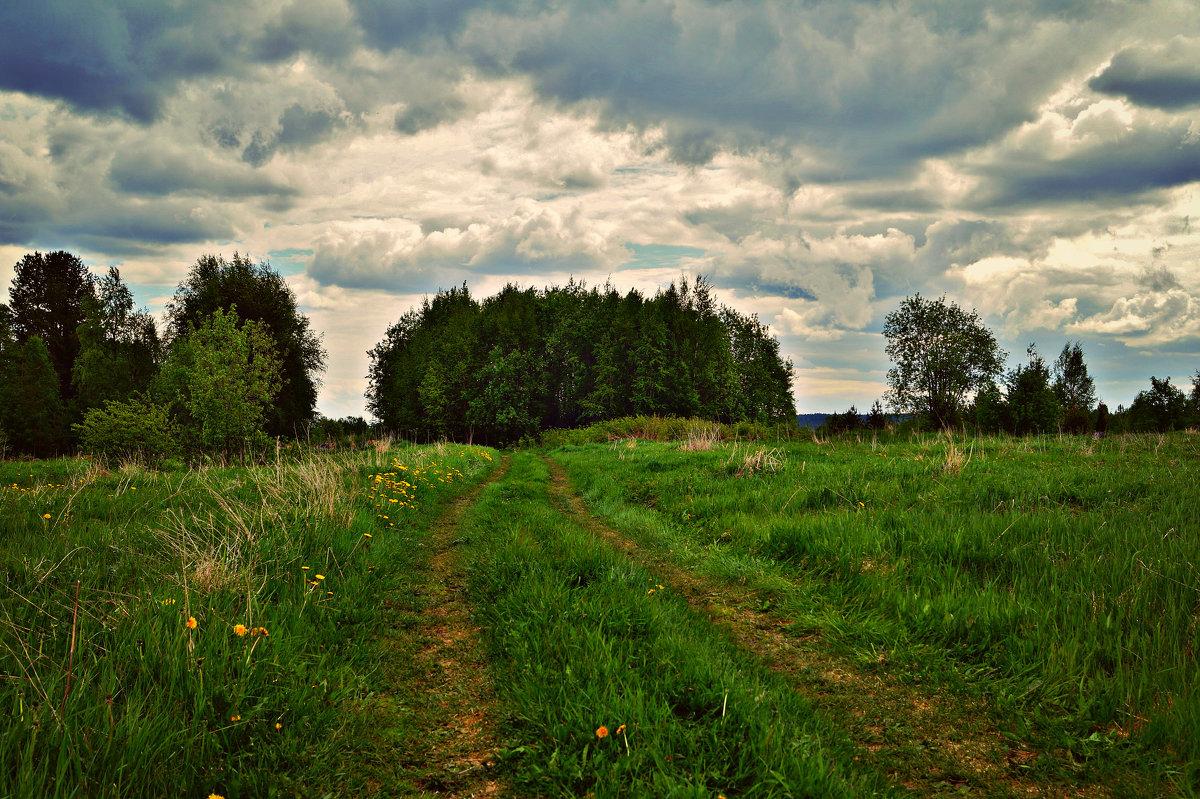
(813, 420)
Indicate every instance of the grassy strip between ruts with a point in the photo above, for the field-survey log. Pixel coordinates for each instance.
(613, 686)
(1050, 578)
(204, 632)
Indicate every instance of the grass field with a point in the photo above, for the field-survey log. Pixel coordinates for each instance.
(697, 617)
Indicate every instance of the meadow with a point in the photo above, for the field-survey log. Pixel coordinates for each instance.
(190, 632)
(610, 615)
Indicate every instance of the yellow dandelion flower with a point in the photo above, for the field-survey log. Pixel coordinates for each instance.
(303, 568)
(319, 576)
(620, 729)
(602, 731)
(45, 515)
(278, 726)
(235, 718)
(215, 796)
(239, 630)
(259, 631)
(191, 622)
(367, 535)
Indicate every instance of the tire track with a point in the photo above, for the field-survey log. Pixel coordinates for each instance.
(458, 682)
(916, 737)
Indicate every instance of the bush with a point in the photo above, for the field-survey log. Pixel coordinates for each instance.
(135, 429)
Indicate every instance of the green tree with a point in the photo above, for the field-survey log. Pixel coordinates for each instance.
(261, 295)
(46, 299)
(1031, 402)
(223, 376)
(1163, 407)
(32, 405)
(1074, 387)
(119, 348)
(942, 353)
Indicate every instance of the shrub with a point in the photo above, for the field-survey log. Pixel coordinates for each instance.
(134, 429)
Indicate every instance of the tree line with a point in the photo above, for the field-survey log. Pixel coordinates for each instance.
(949, 372)
(80, 366)
(238, 364)
(526, 360)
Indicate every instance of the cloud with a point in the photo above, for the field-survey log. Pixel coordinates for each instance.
(1164, 76)
(158, 168)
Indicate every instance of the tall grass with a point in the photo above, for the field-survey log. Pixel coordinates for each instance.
(197, 632)
(613, 687)
(1056, 575)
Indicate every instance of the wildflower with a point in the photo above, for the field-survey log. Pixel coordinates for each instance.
(215, 796)
(602, 732)
(651, 591)
(320, 576)
(235, 718)
(45, 515)
(620, 729)
(260, 631)
(367, 535)
(278, 726)
(239, 630)
(861, 505)
(191, 622)
(303, 568)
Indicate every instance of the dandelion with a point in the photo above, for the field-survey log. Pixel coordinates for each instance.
(620, 729)
(319, 576)
(45, 515)
(651, 591)
(260, 631)
(861, 505)
(367, 535)
(278, 726)
(239, 630)
(602, 732)
(235, 718)
(303, 568)
(191, 622)
(215, 796)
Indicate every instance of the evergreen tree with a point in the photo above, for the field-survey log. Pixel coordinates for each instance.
(1074, 387)
(46, 300)
(1032, 404)
(33, 407)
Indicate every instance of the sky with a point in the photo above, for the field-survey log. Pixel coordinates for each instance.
(815, 161)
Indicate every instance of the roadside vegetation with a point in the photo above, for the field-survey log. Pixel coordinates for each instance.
(221, 631)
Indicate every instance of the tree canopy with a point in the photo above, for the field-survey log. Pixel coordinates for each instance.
(942, 353)
(47, 299)
(260, 294)
(524, 360)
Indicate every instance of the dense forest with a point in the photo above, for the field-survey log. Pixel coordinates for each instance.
(525, 360)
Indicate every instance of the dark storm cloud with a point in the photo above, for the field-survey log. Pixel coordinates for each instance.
(112, 57)
(1113, 172)
(165, 172)
(1166, 77)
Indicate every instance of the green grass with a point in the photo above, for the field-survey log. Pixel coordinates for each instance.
(582, 638)
(146, 706)
(1055, 577)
